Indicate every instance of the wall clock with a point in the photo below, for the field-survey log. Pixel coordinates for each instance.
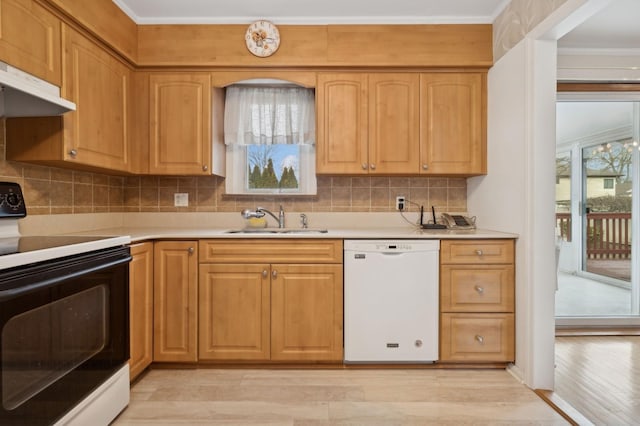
(262, 38)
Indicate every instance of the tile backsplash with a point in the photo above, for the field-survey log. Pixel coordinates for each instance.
(51, 190)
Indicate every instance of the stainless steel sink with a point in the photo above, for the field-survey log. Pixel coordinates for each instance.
(276, 231)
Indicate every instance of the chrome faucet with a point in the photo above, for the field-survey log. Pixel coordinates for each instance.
(260, 211)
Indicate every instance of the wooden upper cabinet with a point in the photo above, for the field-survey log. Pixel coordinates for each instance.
(368, 123)
(453, 124)
(342, 141)
(180, 124)
(30, 39)
(97, 132)
(393, 123)
(96, 135)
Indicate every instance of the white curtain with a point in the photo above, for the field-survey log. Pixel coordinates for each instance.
(269, 115)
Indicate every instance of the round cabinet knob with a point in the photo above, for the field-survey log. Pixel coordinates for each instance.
(480, 339)
(265, 273)
(191, 250)
(479, 289)
(364, 166)
(274, 274)
(205, 168)
(479, 252)
(73, 152)
(425, 167)
(373, 167)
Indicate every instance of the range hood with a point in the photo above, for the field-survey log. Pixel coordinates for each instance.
(23, 95)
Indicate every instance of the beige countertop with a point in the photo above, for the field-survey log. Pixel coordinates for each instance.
(158, 233)
(152, 226)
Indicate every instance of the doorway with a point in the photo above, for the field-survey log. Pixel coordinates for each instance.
(596, 185)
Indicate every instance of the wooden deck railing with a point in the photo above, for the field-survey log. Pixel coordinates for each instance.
(608, 234)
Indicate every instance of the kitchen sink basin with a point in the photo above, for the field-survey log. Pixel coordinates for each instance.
(276, 231)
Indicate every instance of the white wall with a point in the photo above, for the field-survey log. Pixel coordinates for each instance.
(518, 194)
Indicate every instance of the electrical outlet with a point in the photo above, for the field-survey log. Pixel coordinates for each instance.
(181, 199)
(400, 202)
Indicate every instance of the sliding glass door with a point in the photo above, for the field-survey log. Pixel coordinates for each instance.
(596, 211)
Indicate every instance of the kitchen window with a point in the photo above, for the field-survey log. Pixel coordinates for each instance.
(269, 133)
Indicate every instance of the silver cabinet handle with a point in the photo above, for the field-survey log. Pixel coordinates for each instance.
(479, 252)
(479, 289)
(73, 152)
(274, 274)
(425, 167)
(205, 168)
(364, 166)
(191, 250)
(265, 274)
(480, 339)
(373, 167)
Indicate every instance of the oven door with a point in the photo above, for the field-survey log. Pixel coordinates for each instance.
(64, 330)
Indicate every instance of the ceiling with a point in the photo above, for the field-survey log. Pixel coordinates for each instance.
(614, 27)
(312, 11)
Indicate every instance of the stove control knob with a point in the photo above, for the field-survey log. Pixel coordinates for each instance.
(13, 199)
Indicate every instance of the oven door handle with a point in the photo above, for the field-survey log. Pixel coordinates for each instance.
(22, 290)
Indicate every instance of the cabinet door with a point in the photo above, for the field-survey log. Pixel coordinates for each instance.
(234, 312)
(175, 288)
(180, 124)
(96, 134)
(394, 141)
(341, 103)
(140, 308)
(30, 39)
(306, 312)
(453, 115)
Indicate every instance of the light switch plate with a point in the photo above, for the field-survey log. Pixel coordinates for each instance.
(181, 199)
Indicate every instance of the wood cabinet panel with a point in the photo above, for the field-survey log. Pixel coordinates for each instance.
(477, 337)
(96, 135)
(393, 123)
(180, 124)
(453, 129)
(342, 117)
(99, 84)
(306, 312)
(234, 312)
(477, 288)
(30, 39)
(477, 251)
(140, 308)
(175, 295)
(271, 251)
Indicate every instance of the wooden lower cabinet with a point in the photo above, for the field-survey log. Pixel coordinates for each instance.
(234, 309)
(140, 308)
(175, 295)
(270, 311)
(477, 337)
(477, 301)
(306, 312)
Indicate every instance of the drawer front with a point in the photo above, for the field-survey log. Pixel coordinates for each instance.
(477, 337)
(477, 288)
(477, 252)
(270, 251)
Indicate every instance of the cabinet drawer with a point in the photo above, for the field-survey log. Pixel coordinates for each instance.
(270, 251)
(476, 288)
(477, 251)
(477, 337)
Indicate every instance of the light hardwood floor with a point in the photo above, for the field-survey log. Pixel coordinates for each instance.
(600, 377)
(334, 397)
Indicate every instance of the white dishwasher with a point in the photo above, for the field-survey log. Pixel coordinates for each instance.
(391, 302)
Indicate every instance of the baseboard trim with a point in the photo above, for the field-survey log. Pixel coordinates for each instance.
(563, 408)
